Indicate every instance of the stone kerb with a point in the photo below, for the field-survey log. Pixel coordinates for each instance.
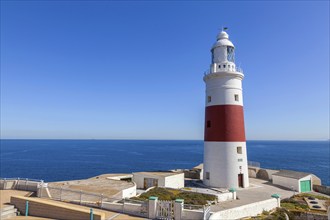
(252, 209)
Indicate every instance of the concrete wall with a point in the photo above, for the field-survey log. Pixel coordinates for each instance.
(133, 209)
(26, 185)
(54, 210)
(117, 207)
(175, 181)
(225, 196)
(286, 182)
(290, 183)
(7, 184)
(252, 172)
(322, 189)
(129, 192)
(193, 174)
(265, 174)
(316, 180)
(192, 214)
(139, 179)
(128, 208)
(309, 216)
(252, 209)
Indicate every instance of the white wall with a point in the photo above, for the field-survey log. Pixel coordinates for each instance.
(175, 181)
(129, 192)
(129, 208)
(221, 160)
(225, 196)
(7, 184)
(132, 208)
(252, 209)
(286, 182)
(126, 176)
(222, 91)
(112, 206)
(139, 179)
(192, 214)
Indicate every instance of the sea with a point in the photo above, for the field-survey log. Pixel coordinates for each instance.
(57, 160)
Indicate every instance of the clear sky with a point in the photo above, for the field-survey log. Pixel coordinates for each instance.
(133, 70)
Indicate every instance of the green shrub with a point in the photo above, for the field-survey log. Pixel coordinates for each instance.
(172, 194)
(264, 212)
(280, 214)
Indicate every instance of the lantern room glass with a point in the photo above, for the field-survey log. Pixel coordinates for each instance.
(230, 54)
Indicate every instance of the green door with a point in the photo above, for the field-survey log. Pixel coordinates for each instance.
(305, 186)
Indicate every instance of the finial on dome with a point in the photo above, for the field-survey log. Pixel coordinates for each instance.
(222, 35)
(223, 39)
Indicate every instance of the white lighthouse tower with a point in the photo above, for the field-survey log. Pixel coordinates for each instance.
(225, 159)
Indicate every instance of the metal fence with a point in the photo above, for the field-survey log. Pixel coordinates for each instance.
(253, 164)
(25, 184)
(74, 196)
(206, 212)
(128, 206)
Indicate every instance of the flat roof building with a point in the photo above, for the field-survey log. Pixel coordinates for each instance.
(297, 181)
(145, 180)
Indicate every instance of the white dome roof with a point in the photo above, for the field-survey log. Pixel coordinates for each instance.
(223, 40)
(222, 35)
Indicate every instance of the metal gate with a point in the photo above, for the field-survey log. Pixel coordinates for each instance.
(206, 212)
(165, 210)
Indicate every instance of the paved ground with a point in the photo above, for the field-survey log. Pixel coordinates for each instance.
(97, 185)
(259, 190)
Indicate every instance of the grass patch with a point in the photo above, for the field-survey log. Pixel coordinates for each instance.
(187, 188)
(292, 207)
(302, 195)
(172, 194)
(294, 204)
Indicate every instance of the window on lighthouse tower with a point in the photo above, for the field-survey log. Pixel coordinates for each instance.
(236, 97)
(230, 54)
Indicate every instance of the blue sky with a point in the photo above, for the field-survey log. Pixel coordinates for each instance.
(133, 70)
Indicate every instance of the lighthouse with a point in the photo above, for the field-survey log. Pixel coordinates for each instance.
(225, 158)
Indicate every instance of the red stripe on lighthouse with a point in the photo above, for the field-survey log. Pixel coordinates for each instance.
(224, 123)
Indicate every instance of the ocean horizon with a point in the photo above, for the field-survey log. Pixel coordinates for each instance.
(68, 159)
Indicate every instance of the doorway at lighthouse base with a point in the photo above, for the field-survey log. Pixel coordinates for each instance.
(240, 180)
